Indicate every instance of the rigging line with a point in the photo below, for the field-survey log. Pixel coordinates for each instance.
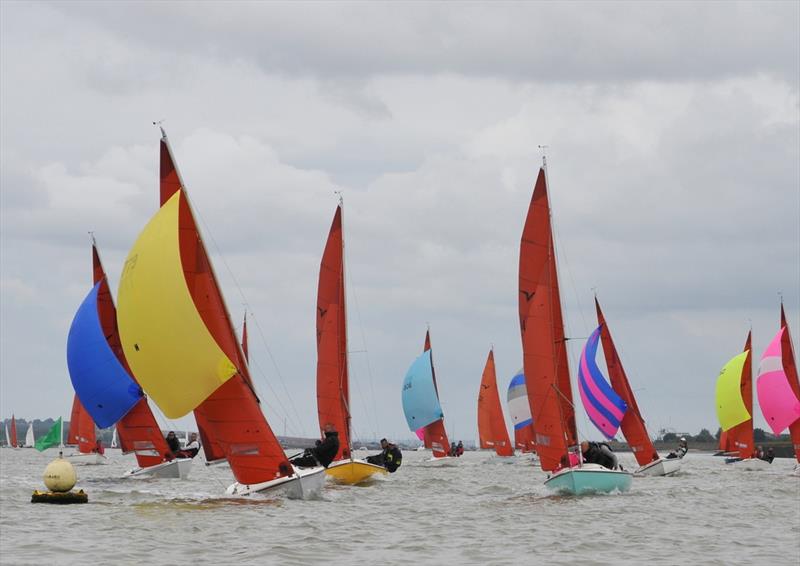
(280, 377)
(283, 413)
(374, 417)
(244, 300)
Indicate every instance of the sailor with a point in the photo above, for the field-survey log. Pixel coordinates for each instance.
(769, 456)
(191, 449)
(460, 448)
(602, 454)
(391, 458)
(173, 443)
(323, 453)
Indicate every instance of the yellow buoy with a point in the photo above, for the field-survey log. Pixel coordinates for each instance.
(59, 476)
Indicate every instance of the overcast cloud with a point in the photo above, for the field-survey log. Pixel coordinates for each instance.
(674, 151)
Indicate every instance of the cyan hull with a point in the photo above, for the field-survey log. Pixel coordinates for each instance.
(589, 478)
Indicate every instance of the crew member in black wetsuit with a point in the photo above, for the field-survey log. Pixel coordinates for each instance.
(173, 443)
(595, 453)
(322, 454)
(390, 458)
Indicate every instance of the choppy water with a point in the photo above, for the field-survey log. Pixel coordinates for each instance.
(483, 511)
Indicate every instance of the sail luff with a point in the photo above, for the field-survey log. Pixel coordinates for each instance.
(492, 431)
(542, 330)
(435, 434)
(740, 436)
(333, 394)
(790, 368)
(632, 425)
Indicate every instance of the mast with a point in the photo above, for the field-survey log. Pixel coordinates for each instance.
(346, 377)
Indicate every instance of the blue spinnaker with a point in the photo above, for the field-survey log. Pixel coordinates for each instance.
(104, 387)
(420, 401)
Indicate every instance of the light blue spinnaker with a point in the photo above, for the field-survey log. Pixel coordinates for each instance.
(104, 387)
(420, 401)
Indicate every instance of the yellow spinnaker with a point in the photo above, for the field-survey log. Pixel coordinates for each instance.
(168, 346)
(730, 406)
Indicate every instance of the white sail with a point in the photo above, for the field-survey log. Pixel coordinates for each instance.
(8, 436)
(114, 441)
(30, 441)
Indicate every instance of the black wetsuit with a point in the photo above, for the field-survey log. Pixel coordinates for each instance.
(391, 458)
(595, 455)
(174, 444)
(322, 454)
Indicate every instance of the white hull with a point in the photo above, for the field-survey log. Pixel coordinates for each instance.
(87, 458)
(661, 467)
(796, 470)
(443, 462)
(178, 468)
(305, 484)
(750, 464)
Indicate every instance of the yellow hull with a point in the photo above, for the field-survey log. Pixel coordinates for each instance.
(353, 472)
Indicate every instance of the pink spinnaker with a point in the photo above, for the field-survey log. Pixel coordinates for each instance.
(779, 405)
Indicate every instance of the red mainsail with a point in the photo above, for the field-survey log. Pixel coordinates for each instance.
(333, 390)
(435, 436)
(13, 432)
(492, 432)
(81, 428)
(632, 423)
(740, 437)
(790, 368)
(230, 419)
(138, 430)
(542, 329)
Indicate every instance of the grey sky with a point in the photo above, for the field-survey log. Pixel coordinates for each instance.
(674, 149)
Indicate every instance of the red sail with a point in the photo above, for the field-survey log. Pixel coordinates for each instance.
(790, 368)
(542, 328)
(13, 432)
(72, 436)
(723, 441)
(740, 437)
(523, 438)
(435, 435)
(230, 418)
(333, 392)
(632, 424)
(138, 430)
(492, 432)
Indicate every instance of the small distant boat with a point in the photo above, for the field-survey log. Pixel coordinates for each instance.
(545, 363)
(179, 340)
(492, 433)
(422, 408)
(82, 434)
(30, 441)
(333, 384)
(11, 436)
(520, 410)
(632, 423)
(778, 387)
(734, 400)
(114, 439)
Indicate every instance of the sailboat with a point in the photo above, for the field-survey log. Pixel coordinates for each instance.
(30, 441)
(114, 439)
(492, 433)
(520, 410)
(106, 391)
(779, 389)
(82, 434)
(180, 343)
(422, 408)
(333, 387)
(545, 363)
(632, 423)
(11, 436)
(734, 400)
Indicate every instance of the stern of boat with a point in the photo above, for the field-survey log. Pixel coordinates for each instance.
(589, 478)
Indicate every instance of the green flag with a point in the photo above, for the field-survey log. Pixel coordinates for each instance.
(52, 438)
